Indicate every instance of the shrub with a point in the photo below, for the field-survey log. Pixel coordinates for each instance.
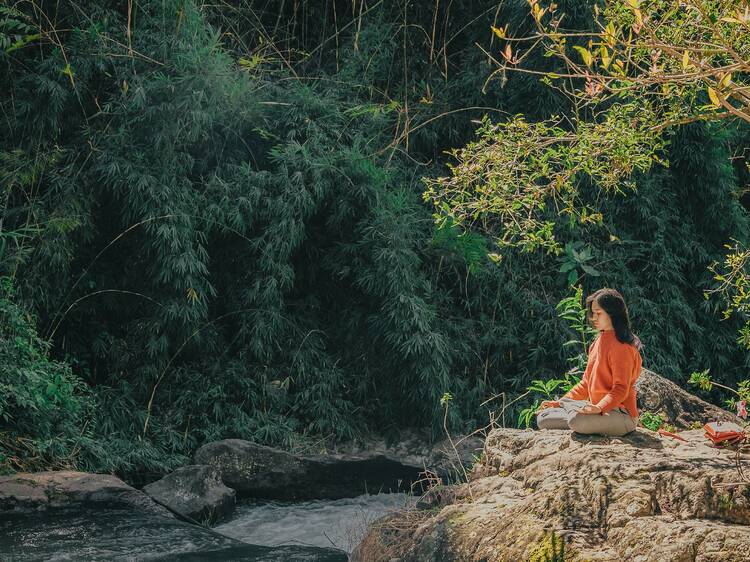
(44, 407)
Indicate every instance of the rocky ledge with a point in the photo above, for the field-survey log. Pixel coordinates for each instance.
(638, 498)
(80, 516)
(264, 472)
(36, 491)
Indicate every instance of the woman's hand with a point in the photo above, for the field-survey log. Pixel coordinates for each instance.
(590, 409)
(548, 404)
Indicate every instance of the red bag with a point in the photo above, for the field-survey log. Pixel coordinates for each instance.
(724, 433)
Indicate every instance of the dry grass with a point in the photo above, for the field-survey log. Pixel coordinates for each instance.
(389, 537)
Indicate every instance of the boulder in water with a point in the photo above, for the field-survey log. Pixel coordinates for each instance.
(264, 472)
(352, 469)
(194, 491)
(40, 490)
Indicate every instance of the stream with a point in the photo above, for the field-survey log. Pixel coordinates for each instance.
(275, 531)
(325, 523)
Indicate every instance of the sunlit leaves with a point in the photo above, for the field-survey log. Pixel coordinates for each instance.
(733, 285)
(714, 96)
(585, 54)
(647, 65)
(678, 47)
(499, 31)
(702, 380)
(502, 182)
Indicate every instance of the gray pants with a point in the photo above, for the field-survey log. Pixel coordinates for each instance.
(617, 422)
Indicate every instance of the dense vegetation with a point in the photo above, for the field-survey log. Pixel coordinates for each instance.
(213, 226)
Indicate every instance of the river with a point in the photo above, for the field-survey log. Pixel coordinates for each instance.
(296, 531)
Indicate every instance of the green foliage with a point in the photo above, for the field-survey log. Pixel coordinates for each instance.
(44, 408)
(503, 182)
(573, 311)
(703, 380)
(726, 502)
(526, 415)
(576, 256)
(652, 421)
(743, 390)
(544, 391)
(624, 94)
(619, 85)
(223, 233)
(551, 549)
(15, 29)
(733, 287)
(463, 246)
(233, 266)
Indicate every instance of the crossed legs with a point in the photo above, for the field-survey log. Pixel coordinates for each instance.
(615, 422)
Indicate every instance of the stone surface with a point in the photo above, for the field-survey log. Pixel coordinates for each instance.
(638, 498)
(416, 449)
(41, 490)
(681, 409)
(195, 491)
(260, 471)
(251, 468)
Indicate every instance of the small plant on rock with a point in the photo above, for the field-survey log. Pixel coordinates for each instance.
(725, 502)
(551, 549)
(652, 421)
(544, 391)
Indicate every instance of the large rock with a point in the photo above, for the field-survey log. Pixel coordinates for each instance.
(416, 449)
(41, 490)
(638, 498)
(264, 472)
(251, 468)
(681, 409)
(260, 471)
(194, 491)
(376, 464)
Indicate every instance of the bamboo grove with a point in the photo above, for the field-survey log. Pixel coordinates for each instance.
(213, 225)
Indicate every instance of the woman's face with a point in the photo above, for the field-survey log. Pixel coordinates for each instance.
(600, 319)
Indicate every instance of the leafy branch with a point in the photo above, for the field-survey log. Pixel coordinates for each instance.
(703, 380)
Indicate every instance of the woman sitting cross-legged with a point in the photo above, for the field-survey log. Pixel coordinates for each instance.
(605, 399)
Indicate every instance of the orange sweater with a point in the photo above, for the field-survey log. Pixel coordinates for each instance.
(611, 372)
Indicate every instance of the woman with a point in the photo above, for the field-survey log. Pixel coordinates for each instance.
(605, 399)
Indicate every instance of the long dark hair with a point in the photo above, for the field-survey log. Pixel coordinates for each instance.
(611, 301)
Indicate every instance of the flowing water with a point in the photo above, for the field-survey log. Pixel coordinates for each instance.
(296, 531)
(326, 523)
